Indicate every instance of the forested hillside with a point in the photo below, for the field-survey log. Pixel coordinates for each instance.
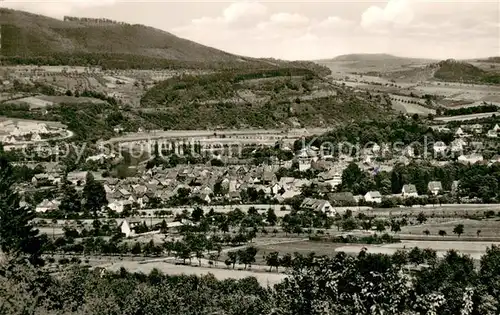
(264, 98)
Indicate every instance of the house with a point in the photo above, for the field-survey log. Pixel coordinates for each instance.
(434, 187)
(36, 137)
(476, 128)
(127, 226)
(373, 196)
(496, 128)
(47, 205)
(304, 165)
(39, 179)
(457, 145)
(119, 205)
(332, 178)
(275, 189)
(290, 194)
(459, 133)
(234, 196)
(439, 147)
(470, 158)
(77, 178)
(492, 134)
(409, 190)
(317, 205)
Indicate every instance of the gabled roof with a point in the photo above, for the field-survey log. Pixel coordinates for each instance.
(374, 194)
(409, 189)
(435, 185)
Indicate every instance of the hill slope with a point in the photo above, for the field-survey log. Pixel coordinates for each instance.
(28, 36)
(263, 98)
(365, 57)
(457, 71)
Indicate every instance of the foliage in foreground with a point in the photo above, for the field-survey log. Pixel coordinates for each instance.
(366, 284)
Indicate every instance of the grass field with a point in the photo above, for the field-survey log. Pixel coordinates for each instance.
(264, 278)
(451, 210)
(303, 247)
(473, 249)
(489, 228)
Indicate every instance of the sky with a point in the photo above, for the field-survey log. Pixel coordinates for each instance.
(307, 30)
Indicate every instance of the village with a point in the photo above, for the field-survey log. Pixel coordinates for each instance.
(224, 183)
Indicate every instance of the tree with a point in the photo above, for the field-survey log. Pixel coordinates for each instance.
(18, 237)
(136, 249)
(349, 224)
(380, 225)
(232, 258)
(416, 257)
(400, 257)
(478, 232)
(421, 218)
(197, 214)
(272, 260)
(70, 202)
(442, 233)
(395, 227)
(94, 194)
(286, 261)
(459, 229)
(271, 217)
(247, 256)
(427, 232)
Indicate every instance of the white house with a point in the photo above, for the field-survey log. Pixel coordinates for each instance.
(373, 196)
(126, 229)
(317, 205)
(457, 145)
(435, 187)
(492, 133)
(290, 193)
(470, 159)
(409, 190)
(47, 205)
(496, 128)
(36, 137)
(119, 205)
(459, 133)
(304, 164)
(439, 147)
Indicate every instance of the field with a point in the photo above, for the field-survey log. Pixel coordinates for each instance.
(264, 278)
(489, 228)
(448, 210)
(474, 249)
(303, 247)
(409, 108)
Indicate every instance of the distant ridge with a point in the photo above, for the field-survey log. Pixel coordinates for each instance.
(365, 57)
(371, 57)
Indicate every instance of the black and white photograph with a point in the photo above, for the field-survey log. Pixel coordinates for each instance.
(249, 157)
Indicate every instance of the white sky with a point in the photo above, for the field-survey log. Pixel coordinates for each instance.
(308, 30)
